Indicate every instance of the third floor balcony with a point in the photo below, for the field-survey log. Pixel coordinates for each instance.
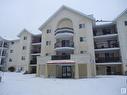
(106, 44)
(64, 45)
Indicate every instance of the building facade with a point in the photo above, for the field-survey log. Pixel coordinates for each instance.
(3, 53)
(72, 45)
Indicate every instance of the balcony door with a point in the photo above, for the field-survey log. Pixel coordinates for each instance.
(65, 43)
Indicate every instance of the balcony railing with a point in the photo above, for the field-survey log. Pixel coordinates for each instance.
(34, 51)
(60, 57)
(104, 32)
(106, 45)
(107, 59)
(66, 44)
(33, 61)
(64, 30)
(36, 41)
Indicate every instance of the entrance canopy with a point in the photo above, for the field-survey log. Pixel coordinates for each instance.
(61, 62)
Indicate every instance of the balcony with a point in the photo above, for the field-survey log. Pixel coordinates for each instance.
(64, 45)
(64, 32)
(104, 30)
(107, 59)
(108, 44)
(60, 57)
(36, 50)
(36, 39)
(33, 61)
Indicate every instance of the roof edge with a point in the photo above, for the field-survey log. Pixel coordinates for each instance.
(61, 8)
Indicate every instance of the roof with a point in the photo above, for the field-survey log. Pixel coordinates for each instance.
(124, 12)
(24, 30)
(67, 8)
(3, 39)
(61, 62)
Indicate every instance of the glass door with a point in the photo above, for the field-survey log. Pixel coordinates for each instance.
(66, 71)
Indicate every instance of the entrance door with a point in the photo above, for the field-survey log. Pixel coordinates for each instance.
(66, 71)
(109, 70)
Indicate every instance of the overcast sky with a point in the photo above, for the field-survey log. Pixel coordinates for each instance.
(16, 15)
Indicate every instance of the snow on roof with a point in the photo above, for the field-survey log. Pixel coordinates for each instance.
(124, 12)
(61, 62)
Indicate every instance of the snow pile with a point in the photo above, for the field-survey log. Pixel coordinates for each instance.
(18, 84)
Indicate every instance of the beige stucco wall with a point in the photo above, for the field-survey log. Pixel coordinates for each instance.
(76, 19)
(41, 70)
(124, 66)
(102, 69)
(51, 70)
(82, 70)
(14, 55)
(122, 34)
(25, 52)
(18, 52)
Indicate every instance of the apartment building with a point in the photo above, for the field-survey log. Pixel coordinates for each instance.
(3, 53)
(72, 45)
(23, 52)
(76, 47)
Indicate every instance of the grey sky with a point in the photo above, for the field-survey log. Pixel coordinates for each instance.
(30, 14)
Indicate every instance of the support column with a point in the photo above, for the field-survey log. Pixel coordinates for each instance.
(38, 71)
(89, 73)
(76, 71)
(124, 68)
(46, 70)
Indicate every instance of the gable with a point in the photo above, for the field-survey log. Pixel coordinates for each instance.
(64, 11)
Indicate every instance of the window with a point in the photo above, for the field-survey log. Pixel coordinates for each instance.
(46, 54)
(23, 58)
(48, 43)
(1, 44)
(24, 47)
(125, 23)
(12, 43)
(10, 60)
(25, 38)
(11, 51)
(81, 39)
(48, 31)
(81, 52)
(81, 26)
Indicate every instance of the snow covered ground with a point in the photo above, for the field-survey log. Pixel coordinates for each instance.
(18, 84)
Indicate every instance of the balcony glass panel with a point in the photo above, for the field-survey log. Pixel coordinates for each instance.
(64, 43)
(107, 44)
(60, 57)
(64, 30)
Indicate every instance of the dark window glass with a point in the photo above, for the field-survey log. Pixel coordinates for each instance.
(24, 47)
(46, 54)
(81, 52)
(81, 39)
(23, 58)
(48, 43)
(25, 38)
(12, 43)
(10, 60)
(125, 23)
(81, 26)
(48, 31)
(11, 51)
